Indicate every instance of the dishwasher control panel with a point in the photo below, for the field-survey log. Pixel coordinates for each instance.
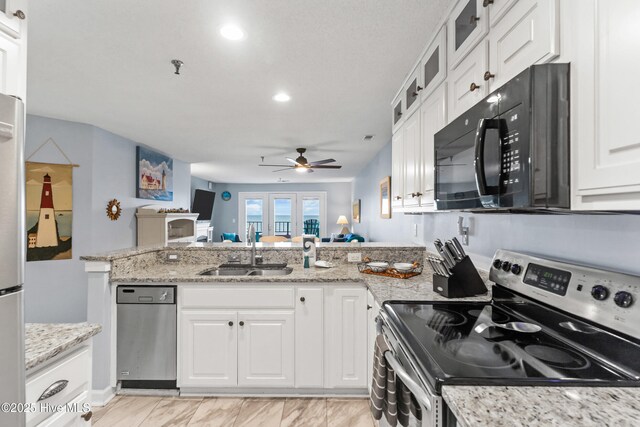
(146, 295)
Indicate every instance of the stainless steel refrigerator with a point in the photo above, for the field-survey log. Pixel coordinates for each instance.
(12, 257)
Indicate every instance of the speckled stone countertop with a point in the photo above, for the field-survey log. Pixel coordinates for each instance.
(383, 288)
(124, 253)
(43, 341)
(543, 406)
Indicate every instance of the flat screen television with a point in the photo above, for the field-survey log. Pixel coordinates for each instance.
(203, 204)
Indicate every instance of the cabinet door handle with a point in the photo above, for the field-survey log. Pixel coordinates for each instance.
(230, 323)
(473, 87)
(369, 307)
(241, 323)
(87, 416)
(486, 3)
(19, 14)
(398, 197)
(302, 299)
(418, 194)
(488, 75)
(473, 19)
(418, 89)
(53, 389)
(399, 114)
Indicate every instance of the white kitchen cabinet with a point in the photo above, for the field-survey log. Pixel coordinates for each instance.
(9, 64)
(71, 371)
(309, 346)
(13, 18)
(346, 337)
(412, 91)
(266, 348)
(433, 118)
(466, 82)
(526, 34)
(497, 10)
(468, 23)
(373, 308)
(605, 145)
(397, 112)
(397, 170)
(434, 64)
(412, 161)
(208, 346)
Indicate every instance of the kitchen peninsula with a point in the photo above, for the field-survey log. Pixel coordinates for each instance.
(306, 332)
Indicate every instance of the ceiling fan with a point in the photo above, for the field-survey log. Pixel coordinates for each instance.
(301, 164)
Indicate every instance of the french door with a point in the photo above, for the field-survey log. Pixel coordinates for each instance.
(282, 214)
(282, 217)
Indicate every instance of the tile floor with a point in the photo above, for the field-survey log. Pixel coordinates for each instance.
(142, 411)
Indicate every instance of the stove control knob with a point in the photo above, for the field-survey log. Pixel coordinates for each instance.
(497, 263)
(506, 265)
(623, 299)
(516, 269)
(599, 292)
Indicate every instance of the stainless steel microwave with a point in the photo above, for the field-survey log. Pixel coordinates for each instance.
(511, 150)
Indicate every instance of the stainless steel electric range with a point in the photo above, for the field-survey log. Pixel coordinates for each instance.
(549, 323)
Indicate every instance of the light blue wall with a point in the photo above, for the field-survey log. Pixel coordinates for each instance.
(609, 241)
(56, 291)
(225, 214)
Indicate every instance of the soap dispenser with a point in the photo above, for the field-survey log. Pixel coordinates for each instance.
(309, 250)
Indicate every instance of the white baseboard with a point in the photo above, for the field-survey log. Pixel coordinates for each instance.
(102, 397)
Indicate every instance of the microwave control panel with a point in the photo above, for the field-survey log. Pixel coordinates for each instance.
(511, 168)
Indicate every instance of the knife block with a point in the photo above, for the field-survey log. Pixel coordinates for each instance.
(463, 282)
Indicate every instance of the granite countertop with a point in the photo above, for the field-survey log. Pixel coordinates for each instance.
(383, 288)
(43, 341)
(543, 406)
(140, 250)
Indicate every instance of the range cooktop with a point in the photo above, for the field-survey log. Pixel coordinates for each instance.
(463, 342)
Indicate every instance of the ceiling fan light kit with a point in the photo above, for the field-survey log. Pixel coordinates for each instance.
(301, 164)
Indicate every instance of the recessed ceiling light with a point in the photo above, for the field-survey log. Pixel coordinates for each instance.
(281, 97)
(232, 32)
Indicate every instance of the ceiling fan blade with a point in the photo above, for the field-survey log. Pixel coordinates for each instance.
(295, 162)
(276, 166)
(327, 167)
(322, 162)
(288, 168)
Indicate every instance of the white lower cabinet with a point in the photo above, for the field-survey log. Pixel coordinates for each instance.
(346, 337)
(208, 348)
(66, 380)
(373, 308)
(316, 340)
(309, 342)
(265, 348)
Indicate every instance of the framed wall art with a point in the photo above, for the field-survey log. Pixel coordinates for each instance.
(154, 175)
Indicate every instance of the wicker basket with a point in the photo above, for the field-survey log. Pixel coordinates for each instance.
(390, 271)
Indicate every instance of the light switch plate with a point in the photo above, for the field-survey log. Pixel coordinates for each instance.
(354, 257)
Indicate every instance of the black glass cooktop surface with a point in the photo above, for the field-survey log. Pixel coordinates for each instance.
(457, 343)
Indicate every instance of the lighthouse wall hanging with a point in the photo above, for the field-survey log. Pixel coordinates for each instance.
(49, 201)
(154, 175)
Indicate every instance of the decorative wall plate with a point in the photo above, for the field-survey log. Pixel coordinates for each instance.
(226, 196)
(113, 209)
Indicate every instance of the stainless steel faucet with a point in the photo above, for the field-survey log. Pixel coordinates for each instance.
(251, 238)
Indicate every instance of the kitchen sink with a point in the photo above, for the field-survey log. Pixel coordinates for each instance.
(247, 270)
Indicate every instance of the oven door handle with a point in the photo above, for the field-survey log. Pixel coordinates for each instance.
(481, 178)
(418, 392)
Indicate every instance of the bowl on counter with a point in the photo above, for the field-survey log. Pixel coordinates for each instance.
(378, 267)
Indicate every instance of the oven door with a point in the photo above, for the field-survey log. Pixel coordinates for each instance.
(430, 403)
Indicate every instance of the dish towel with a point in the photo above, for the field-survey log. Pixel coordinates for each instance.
(389, 396)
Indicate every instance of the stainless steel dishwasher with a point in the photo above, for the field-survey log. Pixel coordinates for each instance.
(146, 336)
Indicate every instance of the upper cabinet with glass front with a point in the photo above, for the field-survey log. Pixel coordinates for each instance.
(12, 17)
(468, 24)
(434, 64)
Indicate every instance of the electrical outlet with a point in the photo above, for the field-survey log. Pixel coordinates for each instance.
(354, 257)
(173, 257)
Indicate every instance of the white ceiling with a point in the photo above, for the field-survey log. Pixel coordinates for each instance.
(107, 63)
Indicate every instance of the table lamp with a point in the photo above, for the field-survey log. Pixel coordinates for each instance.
(342, 220)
